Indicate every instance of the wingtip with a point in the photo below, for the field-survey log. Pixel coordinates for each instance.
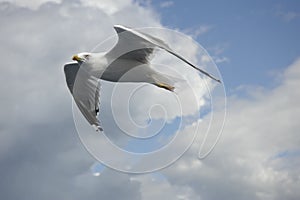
(119, 28)
(215, 79)
(118, 25)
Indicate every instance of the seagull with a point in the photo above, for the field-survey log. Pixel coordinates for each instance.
(132, 51)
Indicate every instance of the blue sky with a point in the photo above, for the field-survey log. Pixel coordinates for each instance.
(257, 46)
(257, 36)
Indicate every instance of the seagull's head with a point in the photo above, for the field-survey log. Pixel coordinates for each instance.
(81, 57)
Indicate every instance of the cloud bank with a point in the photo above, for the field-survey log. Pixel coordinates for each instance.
(41, 157)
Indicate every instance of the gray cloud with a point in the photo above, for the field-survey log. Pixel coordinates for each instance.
(257, 156)
(41, 156)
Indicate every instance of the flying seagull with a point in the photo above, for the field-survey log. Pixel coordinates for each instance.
(131, 52)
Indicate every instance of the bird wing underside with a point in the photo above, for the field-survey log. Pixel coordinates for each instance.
(133, 44)
(85, 90)
(71, 70)
(141, 55)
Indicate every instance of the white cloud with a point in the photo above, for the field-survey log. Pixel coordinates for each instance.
(198, 31)
(32, 4)
(256, 158)
(107, 6)
(39, 144)
(221, 59)
(154, 186)
(38, 141)
(166, 4)
(217, 51)
(288, 16)
(36, 105)
(244, 164)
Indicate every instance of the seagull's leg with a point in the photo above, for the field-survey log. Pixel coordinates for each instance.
(162, 82)
(165, 86)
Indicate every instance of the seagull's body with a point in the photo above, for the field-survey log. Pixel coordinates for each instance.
(127, 61)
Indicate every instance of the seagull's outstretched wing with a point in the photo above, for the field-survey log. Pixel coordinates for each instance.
(135, 45)
(85, 90)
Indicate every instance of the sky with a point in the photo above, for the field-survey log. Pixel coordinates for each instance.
(261, 31)
(255, 46)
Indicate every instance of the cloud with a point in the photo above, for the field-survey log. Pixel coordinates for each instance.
(38, 145)
(41, 157)
(198, 31)
(286, 15)
(166, 4)
(245, 163)
(32, 4)
(155, 186)
(289, 16)
(109, 7)
(217, 51)
(221, 59)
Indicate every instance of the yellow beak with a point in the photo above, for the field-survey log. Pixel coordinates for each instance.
(75, 57)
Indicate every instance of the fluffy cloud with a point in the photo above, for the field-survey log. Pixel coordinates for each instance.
(258, 155)
(42, 158)
(32, 4)
(166, 4)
